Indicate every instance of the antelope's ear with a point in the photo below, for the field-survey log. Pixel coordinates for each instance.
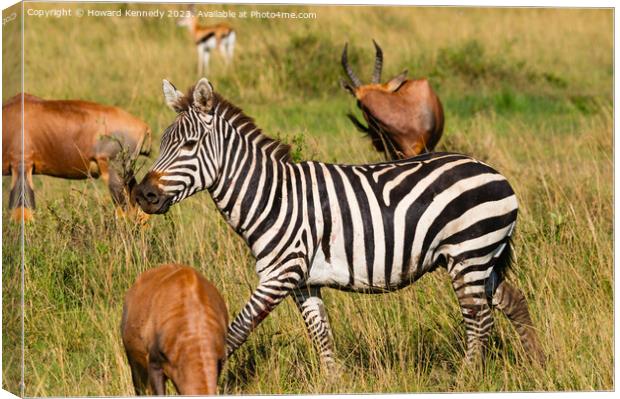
(203, 95)
(347, 87)
(173, 96)
(396, 82)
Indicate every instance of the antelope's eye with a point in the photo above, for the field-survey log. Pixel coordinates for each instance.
(189, 145)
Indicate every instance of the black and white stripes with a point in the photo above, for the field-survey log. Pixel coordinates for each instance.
(368, 228)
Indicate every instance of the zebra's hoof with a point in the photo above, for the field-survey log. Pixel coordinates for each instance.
(331, 367)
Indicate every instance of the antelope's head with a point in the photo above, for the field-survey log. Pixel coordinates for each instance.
(189, 20)
(355, 86)
(186, 22)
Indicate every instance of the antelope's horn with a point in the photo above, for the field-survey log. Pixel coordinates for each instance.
(376, 75)
(347, 68)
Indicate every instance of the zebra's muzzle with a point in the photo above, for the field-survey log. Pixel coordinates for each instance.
(150, 198)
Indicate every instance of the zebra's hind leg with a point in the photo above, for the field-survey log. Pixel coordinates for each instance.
(511, 301)
(310, 305)
(468, 282)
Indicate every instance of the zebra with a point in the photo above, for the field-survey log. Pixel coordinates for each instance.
(368, 228)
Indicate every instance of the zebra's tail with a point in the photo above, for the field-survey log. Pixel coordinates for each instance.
(501, 266)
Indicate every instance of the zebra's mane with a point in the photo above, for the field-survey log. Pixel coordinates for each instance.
(244, 124)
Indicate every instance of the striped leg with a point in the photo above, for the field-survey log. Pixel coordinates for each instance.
(511, 301)
(310, 305)
(477, 314)
(264, 299)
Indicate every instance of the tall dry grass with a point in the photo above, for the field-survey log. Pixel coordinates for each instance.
(526, 90)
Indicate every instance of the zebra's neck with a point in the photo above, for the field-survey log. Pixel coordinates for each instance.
(251, 184)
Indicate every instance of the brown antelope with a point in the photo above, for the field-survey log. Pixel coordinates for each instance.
(404, 116)
(174, 327)
(208, 38)
(70, 139)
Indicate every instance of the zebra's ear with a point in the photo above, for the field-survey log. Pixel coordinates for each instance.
(172, 95)
(203, 95)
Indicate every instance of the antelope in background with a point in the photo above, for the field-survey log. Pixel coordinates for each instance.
(404, 116)
(70, 139)
(208, 38)
(174, 326)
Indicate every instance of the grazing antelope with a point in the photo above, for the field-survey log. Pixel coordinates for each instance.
(174, 327)
(404, 116)
(208, 38)
(70, 139)
(367, 228)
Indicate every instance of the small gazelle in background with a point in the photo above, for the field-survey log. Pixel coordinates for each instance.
(208, 38)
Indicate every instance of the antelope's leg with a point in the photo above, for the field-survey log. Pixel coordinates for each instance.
(157, 379)
(269, 293)
(511, 301)
(223, 52)
(199, 50)
(475, 308)
(230, 46)
(114, 182)
(213, 373)
(310, 305)
(205, 60)
(21, 197)
(139, 377)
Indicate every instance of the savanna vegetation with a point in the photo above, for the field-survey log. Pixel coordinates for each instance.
(527, 90)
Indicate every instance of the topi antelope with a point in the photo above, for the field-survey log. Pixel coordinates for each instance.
(208, 38)
(174, 326)
(70, 139)
(404, 116)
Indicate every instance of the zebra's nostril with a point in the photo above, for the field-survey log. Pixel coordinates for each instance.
(151, 197)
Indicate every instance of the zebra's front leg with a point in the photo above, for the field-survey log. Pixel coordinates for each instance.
(269, 293)
(310, 305)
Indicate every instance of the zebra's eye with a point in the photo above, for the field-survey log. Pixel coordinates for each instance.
(189, 145)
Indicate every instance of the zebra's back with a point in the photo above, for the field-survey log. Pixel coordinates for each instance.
(381, 226)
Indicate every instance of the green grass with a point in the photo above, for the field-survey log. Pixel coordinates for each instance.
(527, 90)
